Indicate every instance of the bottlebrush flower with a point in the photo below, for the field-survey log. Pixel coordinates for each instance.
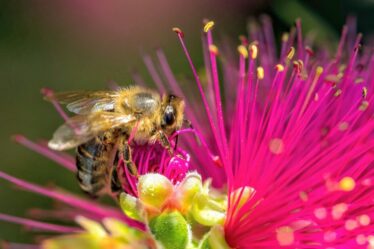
(287, 140)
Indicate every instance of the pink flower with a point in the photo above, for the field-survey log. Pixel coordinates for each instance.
(288, 137)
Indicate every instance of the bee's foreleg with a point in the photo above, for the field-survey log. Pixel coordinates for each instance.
(164, 141)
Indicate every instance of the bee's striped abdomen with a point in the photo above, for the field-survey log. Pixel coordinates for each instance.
(93, 166)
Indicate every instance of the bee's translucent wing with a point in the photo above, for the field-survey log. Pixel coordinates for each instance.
(81, 128)
(85, 102)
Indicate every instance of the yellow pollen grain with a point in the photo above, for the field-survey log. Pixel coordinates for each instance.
(364, 105)
(243, 51)
(347, 184)
(260, 73)
(213, 49)
(279, 67)
(285, 236)
(291, 53)
(254, 51)
(276, 146)
(208, 26)
(364, 92)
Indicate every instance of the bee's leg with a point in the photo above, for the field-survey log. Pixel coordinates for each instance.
(124, 151)
(164, 141)
(128, 159)
(115, 183)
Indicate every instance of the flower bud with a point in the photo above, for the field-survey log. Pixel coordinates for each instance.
(207, 211)
(130, 206)
(171, 230)
(154, 189)
(187, 190)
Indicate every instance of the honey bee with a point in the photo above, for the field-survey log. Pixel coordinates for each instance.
(103, 124)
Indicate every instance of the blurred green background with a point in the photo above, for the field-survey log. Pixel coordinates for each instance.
(83, 44)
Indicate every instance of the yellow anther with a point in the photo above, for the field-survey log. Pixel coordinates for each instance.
(303, 196)
(342, 126)
(243, 51)
(279, 67)
(178, 31)
(338, 93)
(260, 73)
(213, 49)
(364, 220)
(285, 236)
(291, 53)
(359, 80)
(285, 37)
(208, 26)
(319, 70)
(364, 92)
(276, 146)
(364, 105)
(254, 51)
(347, 184)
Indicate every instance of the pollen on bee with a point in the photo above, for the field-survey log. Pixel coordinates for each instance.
(208, 26)
(285, 236)
(347, 184)
(276, 146)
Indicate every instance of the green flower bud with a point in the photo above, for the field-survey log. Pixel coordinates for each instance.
(130, 206)
(207, 211)
(171, 230)
(154, 189)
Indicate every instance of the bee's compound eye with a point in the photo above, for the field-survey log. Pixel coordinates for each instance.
(169, 116)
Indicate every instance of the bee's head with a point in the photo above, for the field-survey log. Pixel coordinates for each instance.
(172, 113)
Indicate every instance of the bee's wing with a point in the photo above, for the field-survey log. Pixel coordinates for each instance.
(81, 128)
(85, 102)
